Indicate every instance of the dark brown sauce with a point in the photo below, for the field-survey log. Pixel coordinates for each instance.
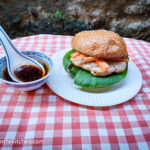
(6, 75)
(27, 73)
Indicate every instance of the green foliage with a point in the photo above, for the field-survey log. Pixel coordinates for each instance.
(57, 23)
(58, 14)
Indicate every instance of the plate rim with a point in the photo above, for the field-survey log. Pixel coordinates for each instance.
(80, 103)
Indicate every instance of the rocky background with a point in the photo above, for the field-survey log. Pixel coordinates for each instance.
(129, 18)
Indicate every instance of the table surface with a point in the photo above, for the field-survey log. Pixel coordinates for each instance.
(41, 119)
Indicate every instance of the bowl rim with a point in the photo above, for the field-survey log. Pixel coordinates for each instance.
(32, 82)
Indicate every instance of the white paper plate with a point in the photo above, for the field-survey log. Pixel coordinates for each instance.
(62, 84)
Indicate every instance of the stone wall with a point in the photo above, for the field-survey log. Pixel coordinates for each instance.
(129, 18)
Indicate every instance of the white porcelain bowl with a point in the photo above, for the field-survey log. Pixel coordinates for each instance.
(28, 86)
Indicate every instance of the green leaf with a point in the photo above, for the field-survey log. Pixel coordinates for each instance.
(68, 65)
(73, 71)
(58, 14)
(86, 79)
(66, 60)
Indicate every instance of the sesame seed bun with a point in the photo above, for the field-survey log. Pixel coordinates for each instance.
(100, 43)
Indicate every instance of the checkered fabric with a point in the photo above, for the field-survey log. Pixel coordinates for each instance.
(42, 120)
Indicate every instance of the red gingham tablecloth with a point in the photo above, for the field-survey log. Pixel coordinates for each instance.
(42, 120)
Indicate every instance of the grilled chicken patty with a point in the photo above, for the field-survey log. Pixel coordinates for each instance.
(114, 66)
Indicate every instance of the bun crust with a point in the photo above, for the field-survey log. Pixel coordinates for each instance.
(100, 43)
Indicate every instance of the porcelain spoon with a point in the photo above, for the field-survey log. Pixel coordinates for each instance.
(14, 58)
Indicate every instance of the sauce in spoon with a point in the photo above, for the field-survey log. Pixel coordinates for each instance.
(27, 73)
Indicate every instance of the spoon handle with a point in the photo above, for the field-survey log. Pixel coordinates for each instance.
(14, 57)
(8, 46)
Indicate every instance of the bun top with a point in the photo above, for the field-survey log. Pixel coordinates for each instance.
(100, 43)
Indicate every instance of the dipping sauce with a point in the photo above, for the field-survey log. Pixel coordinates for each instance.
(27, 73)
(6, 75)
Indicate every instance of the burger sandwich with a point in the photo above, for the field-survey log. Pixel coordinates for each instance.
(99, 58)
